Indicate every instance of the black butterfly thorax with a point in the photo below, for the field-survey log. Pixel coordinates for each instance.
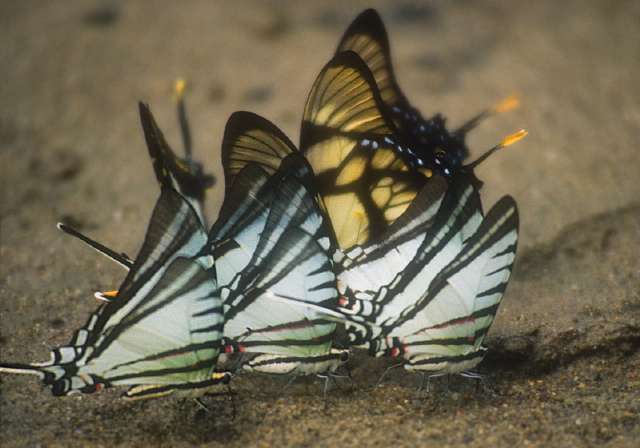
(429, 144)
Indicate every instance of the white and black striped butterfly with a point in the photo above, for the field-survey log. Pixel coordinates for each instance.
(183, 175)
(272, 231)
(436, 311)
(162, 329)
(252, 179)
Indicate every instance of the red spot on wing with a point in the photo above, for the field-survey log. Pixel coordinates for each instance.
(451, 324)
(466, 320)
(233, 349)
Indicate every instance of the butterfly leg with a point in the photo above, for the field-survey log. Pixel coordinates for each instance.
(352, 382)
(481, 379)
(385, 374)
(424, 377)
(290, 382)
(201, 404)
(233, 402)
(229, 393)
(326, 386)
(441, 395)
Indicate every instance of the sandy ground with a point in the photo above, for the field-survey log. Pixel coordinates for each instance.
(564, 346)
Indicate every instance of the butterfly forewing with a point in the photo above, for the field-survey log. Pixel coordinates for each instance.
(353, 150)
(257, 156)
(182, 174)
(367, 37)
(172, 232)
(433, 146)
(235, 235)
(251, 139)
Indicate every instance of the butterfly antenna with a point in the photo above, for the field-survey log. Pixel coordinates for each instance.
(506, 142)
(182, 116)
(121, 259)
(508, 103)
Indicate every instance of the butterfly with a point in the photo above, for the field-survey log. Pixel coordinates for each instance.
(434, 146)
(161, 331)
(370, 150)
(256, 212)
(292, 260)
(184, 175)
(352, 147)
(271, 231)
(424, 242)
(436, 309)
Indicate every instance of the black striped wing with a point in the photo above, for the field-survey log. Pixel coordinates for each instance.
(354, 150)
(162, 330)
(364, 271)
(390, 279)
(292, 262)
(433, 146)
(437, 310)
(234, 236)
(183, 174)
(252, 139)
(444, 330)
(256, 157)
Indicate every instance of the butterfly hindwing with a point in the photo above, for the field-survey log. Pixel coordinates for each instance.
(292, 262)
(171, 338)
(366, 269)
(387, 280)
(444, 332)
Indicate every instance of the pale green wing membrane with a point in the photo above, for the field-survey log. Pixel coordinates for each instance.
(162, 329)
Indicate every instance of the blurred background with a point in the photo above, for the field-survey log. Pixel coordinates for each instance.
(72, 149)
